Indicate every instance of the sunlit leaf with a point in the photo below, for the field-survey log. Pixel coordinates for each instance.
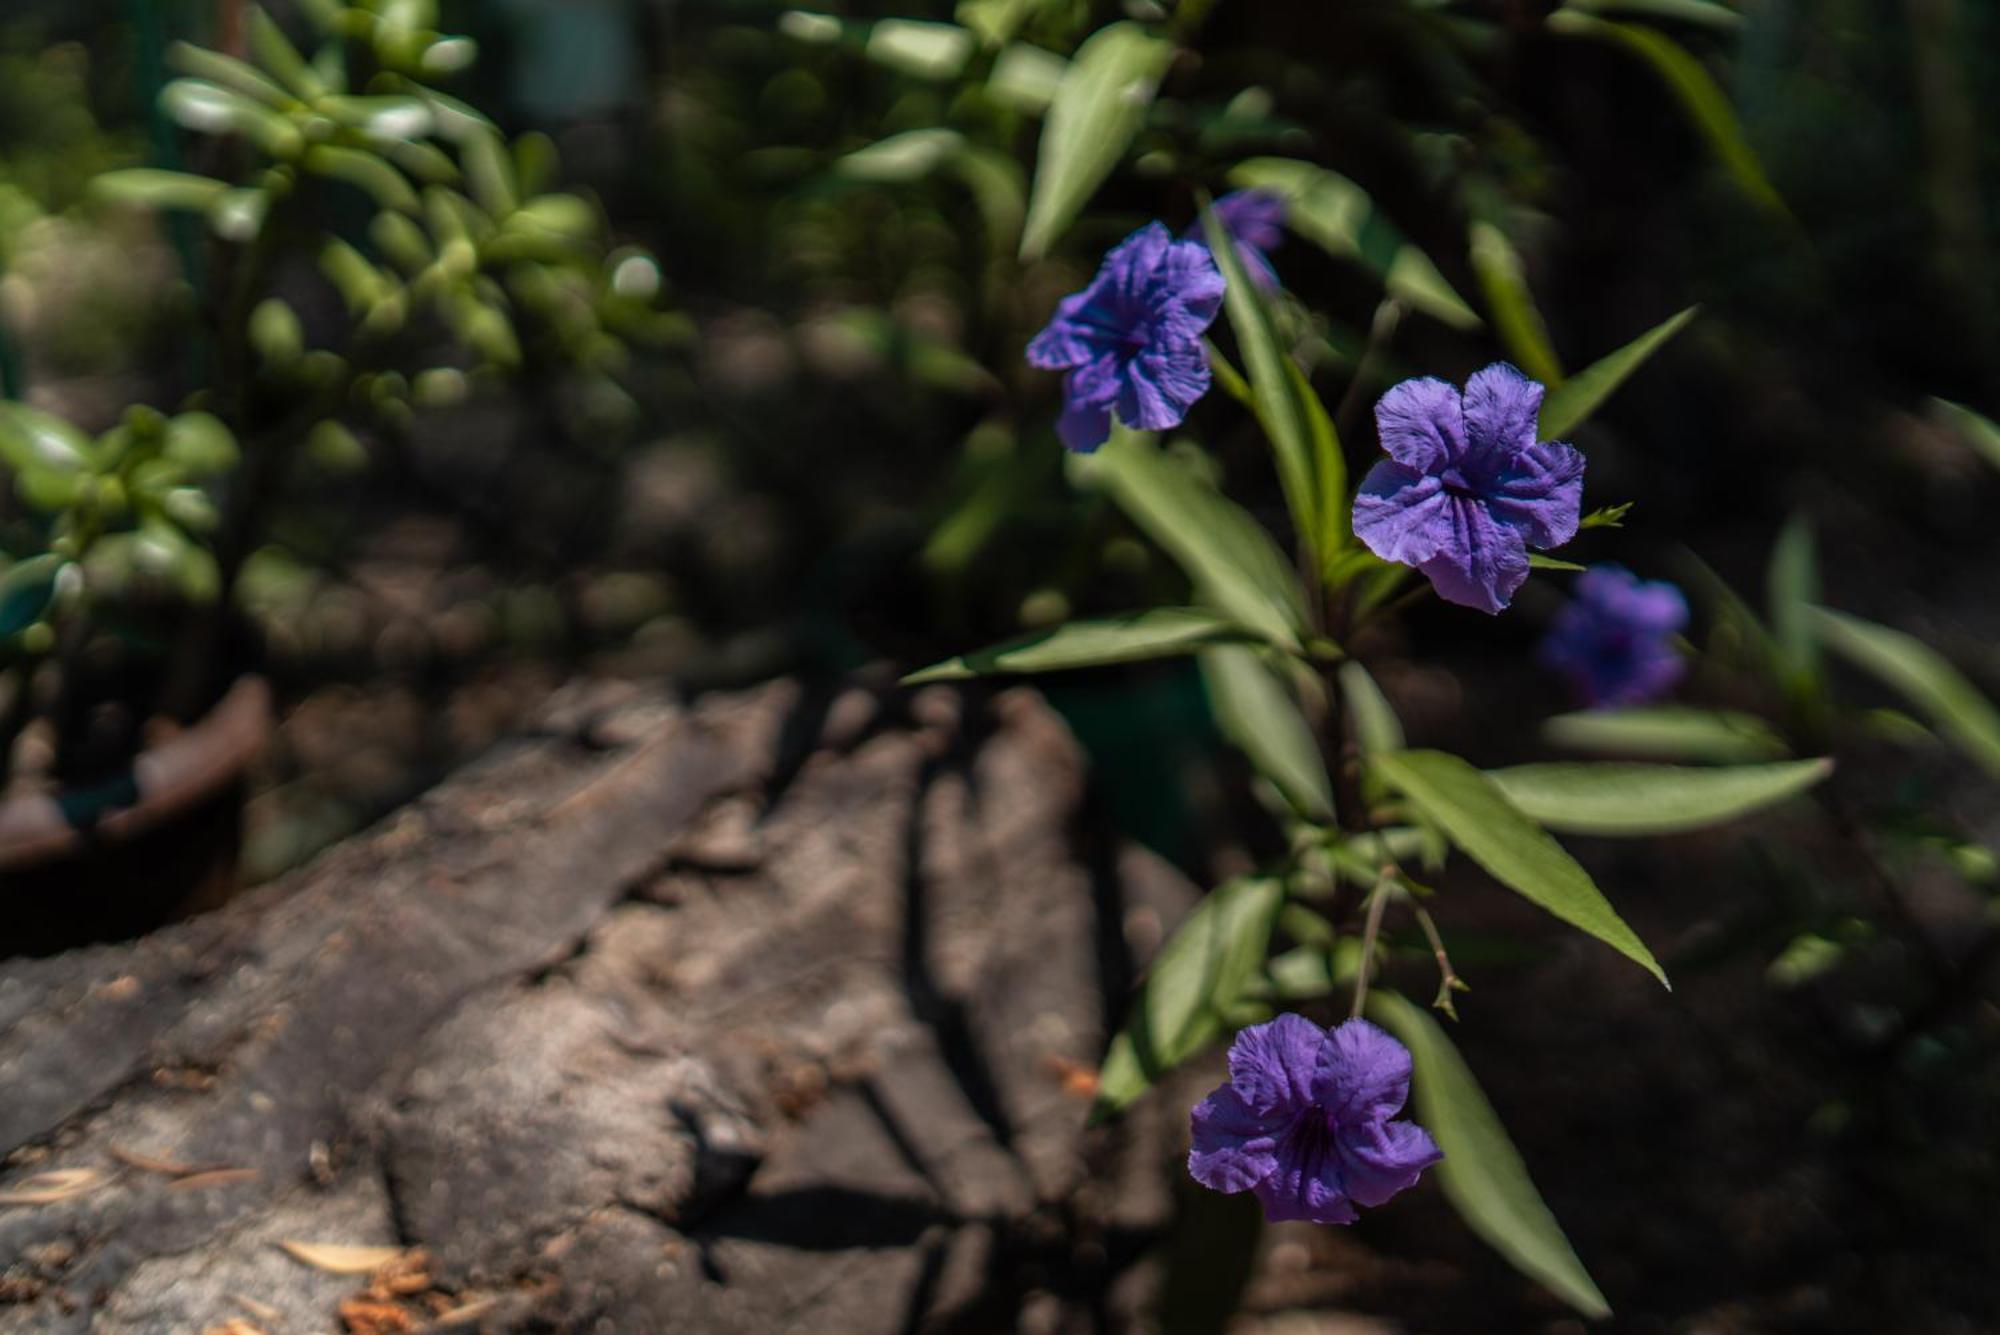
(1613, 799)
(1256, 712)
(1376, 727)
(1159, 633)
(1982, 433)
(908, 156)
(923, 49)
(1482, 823)
(1097, 109)
(1571, 403)
(208, 108)
(158, 189)
(1204, 968)
(1225, 552)
(1482, 1173)
(1516, 319)
(365, 171)
(1920, 675)
(1668, 732)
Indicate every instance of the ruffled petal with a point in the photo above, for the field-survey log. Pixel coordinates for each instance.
(1422, 424)
(1501, 411)
(1085, 423)
(1362, 1075)
(1378, 1161)
(1159, 386)
(1540, 493)
(1306, 1186)
(1254, 217)
(1085, 326)
(1271, 1065)
(1184, 291)
(1235, 1148)
(1402, 515)
(1482, 563)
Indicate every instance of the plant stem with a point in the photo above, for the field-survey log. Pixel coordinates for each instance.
(1378, 900)
(1448, 979)
(1380, 330)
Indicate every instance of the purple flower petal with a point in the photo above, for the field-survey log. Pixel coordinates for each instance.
(1235, 1147)
(1271, 1065)
(1402, 515)
(1421, 424)
(1132, 337)
(1501, 409)
(1385, 1159)
(1306, 1190)
(1614, 641)
(1483, 562)
(1540, 493)
(1362, 1075)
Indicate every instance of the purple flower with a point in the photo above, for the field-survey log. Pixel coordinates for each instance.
(1255, 221)
(1132, 339)
(1304, 1121)
(1615, 640)
(1467, 489)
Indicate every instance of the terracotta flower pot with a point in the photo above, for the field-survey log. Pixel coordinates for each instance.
(157, 842)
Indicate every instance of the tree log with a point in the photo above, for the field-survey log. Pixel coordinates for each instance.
(772, 1013)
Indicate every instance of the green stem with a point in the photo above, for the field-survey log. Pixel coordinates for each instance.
(1378, 900)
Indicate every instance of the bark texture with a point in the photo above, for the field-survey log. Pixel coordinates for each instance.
(773, 1013)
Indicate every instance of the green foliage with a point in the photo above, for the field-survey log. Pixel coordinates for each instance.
(1098, 107)
(1570, 404)
(1255, 711)
(1159, 633)
(1191, 995)
(1475, 815)
(1920, 675)
(1669, 732)
(1633, 800)
(1482, 1173)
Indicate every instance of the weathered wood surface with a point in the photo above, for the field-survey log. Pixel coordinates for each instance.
(764, 1015)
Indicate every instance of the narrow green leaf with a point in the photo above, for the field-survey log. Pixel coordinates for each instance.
(33, 439)
(1515, 317)
(1205, 968)
(1668, 732)
(909, 156)
(1541, 561)
(1482, 1173)
(1376, 726)
(1257, 713)
(1159, 633)
(26, 590)
(1275, 384)
(1922, 676)
(1025, 78)
(1650, 799)
(208, 108)
(919, 48)
(489, 173)
(1225, 552)
(1478, 818)
(275, 52)
(1791, 590)
(1980, 432)
(158, 189)
(1706, 13)
(214, 66)
(364, 171)
(1329, 470)
(1098, 107)
(1705, 102)
(1571, 403)
(1340, 218)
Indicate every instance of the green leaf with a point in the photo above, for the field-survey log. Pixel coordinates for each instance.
(1257, 713)
(31, 438)
(1650, 799)
(1225, 552)
(1025, 78)
(26, 590)
(921, 49)
(1706, 13)
(1304, 448)
(1159, 633)
(909, 156)
(1668, 732)
(489, 173)
(1203, 970)
(365, 171)
(214, 66)
(1920, 675)
(1791, 590)
(1340, 218)
(1482, 1173)
(1098, 107)
(208, 108)
(1705, 103)
(158, 189)
(1570, 404)
(1515, 317)
(275, 52)
(201, 445)
(1478, 818)
(1980, 432)
(1541, 561)
(1376, 726)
